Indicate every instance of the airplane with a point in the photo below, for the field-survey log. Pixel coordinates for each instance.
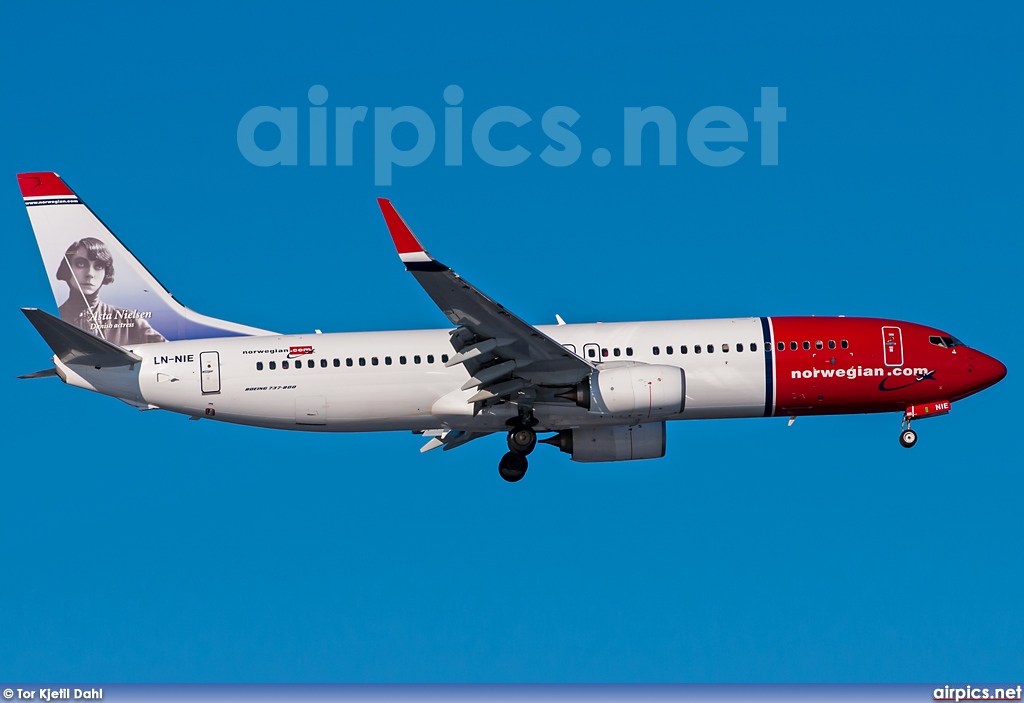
(605, 390)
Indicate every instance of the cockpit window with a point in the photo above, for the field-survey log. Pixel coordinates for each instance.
(946, 341)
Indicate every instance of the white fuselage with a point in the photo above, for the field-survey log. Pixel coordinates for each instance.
(396, 380)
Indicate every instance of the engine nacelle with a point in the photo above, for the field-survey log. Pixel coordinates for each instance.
(616, 443)
(640, 390)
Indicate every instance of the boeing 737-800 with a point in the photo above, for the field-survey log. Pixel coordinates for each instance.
(604, 390)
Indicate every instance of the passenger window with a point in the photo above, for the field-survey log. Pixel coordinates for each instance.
(807, 345)
(844, 344)
(273, 365)
(310, 363)
(430, 358)
(656, 351)
(781, 346)
(753, 347)
(668, 350)
(284, 364)
(348, 361)
(402, 360)
(387, 360)
(819, 345)
(711, 349)
(362, 361)
(683, 349)
(374, 360)
(298, 365)
(444, 358)
(725, 349)
(629, 351)
(616, 351)
(793, 345)
(604, 352)
(416, 359)
(591, 352)
(739, 347)
(696, 349)
(831, 344)
(259, 365)
(337, 363)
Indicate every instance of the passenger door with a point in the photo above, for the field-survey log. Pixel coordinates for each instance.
(892, 346)
(209, 372)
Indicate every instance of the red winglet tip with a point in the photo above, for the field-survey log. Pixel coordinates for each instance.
(43, 183)
(405, 241)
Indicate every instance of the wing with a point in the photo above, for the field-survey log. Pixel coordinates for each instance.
(449, 439)
(506, 357)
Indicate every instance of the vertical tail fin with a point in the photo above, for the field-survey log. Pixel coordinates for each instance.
(97, 283)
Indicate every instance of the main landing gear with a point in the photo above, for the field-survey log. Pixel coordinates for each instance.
(522, 439)
(512, 467)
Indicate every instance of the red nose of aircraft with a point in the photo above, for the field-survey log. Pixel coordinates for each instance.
(984, 370)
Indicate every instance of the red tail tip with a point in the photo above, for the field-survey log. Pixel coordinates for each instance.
(44, 183)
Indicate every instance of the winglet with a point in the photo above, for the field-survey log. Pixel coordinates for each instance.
(410, 251)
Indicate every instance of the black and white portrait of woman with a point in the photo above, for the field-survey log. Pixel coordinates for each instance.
(87, 267)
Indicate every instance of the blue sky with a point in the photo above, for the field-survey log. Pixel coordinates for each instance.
(143, 547)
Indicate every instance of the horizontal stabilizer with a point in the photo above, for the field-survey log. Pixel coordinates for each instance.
(45, 373)
(73, 345)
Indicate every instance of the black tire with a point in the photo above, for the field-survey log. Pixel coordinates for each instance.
(512, 466)
(908, 438)
(522, 439)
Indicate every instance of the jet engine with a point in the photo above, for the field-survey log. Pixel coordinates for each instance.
(616, 443)
(640, 390)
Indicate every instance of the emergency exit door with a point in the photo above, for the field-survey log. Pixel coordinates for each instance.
(892, 346)
(209, 372)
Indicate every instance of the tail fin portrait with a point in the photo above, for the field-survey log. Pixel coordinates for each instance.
(98, 285)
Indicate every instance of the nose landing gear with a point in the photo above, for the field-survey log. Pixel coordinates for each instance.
(908, 438)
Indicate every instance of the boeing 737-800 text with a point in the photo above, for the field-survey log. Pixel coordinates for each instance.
(604, 390)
